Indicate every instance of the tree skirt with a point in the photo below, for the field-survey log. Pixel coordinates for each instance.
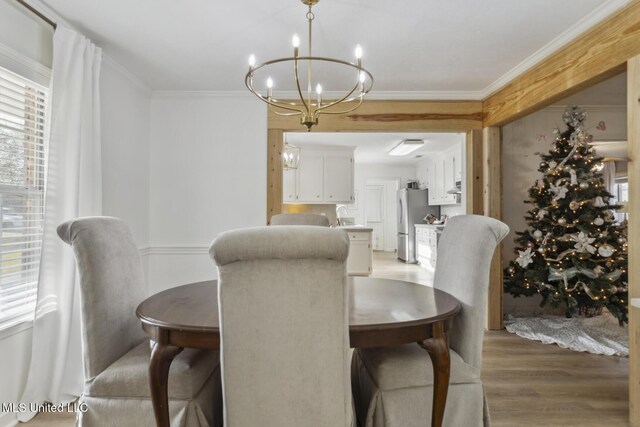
(598, 335)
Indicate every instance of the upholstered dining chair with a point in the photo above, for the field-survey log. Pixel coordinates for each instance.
(300, 219)
(116, 349)
(393, 386)
(283, 302)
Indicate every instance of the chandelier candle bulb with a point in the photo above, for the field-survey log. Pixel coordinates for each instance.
(252, 61)
(304, 107)
(319, 92)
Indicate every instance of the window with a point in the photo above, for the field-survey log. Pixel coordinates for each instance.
(22, 180)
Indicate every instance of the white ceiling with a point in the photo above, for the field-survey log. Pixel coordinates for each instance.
(423, 46)
(372, 147)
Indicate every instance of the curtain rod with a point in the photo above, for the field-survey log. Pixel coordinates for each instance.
(37, 13)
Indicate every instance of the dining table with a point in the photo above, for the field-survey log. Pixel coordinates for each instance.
(382, 312)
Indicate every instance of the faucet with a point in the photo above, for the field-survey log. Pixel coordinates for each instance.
(339, 210)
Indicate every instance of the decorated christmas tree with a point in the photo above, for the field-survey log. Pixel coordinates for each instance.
(573, 252)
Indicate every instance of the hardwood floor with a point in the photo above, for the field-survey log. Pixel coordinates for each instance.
(528, 383)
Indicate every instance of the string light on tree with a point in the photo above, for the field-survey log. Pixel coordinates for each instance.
(573, 253)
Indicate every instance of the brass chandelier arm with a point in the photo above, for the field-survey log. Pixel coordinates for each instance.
(279, 113)
(360, 98)
(248, 82)
(295, 72)
(344, 98)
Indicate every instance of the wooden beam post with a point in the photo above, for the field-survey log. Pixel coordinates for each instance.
(596, 55)
(492, 182)
(274, 172)
(474, 173)
(633, 132)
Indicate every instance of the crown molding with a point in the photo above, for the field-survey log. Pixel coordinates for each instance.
(126, 73)
(597, 15)
(378, 95)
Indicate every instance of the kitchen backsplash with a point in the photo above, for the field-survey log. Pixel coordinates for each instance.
(327, 210)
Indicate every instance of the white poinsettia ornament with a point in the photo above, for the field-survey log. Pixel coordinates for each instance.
(559, 191)
(583, 243)
(525, 258)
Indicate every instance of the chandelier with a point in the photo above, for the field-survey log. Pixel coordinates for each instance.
(311, 105)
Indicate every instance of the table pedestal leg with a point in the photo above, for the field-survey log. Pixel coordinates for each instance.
(161, 357)
(438, 348)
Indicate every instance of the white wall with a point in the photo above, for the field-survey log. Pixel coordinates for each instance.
(126, 107)
(522, 139)
(208, 175)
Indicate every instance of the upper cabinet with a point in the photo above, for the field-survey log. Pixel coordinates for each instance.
(324, 175)
(439, 174)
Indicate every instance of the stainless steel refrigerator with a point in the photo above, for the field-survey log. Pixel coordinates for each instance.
(412, 207)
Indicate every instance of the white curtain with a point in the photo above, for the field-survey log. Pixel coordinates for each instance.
(73, 188)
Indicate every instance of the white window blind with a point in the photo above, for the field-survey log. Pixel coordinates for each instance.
(22, 180)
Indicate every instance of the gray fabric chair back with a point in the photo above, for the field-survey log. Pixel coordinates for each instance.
(300, 219)
(111, 287)
(462, 270)
(283, 302)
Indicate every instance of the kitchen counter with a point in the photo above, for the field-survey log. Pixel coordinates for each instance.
(356, 228)
(436, 226)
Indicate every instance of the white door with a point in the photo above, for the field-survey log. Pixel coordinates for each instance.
(310, 171)
(338, 172)
(374, 211)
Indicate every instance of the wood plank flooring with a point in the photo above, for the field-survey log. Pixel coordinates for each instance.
(528, 383)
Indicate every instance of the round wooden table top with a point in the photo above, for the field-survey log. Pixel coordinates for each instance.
(381, 312)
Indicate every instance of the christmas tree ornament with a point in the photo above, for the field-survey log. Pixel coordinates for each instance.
(574, 206)
(584, 243)
(574, 177)
(543, 165)
(598, 270)
(621, 240)
(541, 213)
(598, 221)
(576, 156)
(541, 250)
(553, 164)
(598, 202)
(606, 250)
(584, 185)
(525, 258)
(574, 117)
(537, 234)
(562, 221)
(558, 191)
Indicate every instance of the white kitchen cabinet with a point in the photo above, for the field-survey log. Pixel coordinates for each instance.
(427, 245)
(338, 177)
(324, 176)
(289, 186)
(433, 198)
(445, 169)
(449, 178)
(360, 257)
(310, 177)
(422, 174)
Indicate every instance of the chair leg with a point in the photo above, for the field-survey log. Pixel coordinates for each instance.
(438, 348)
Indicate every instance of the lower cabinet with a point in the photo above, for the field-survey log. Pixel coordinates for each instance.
(427, 246)
(360, 253)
